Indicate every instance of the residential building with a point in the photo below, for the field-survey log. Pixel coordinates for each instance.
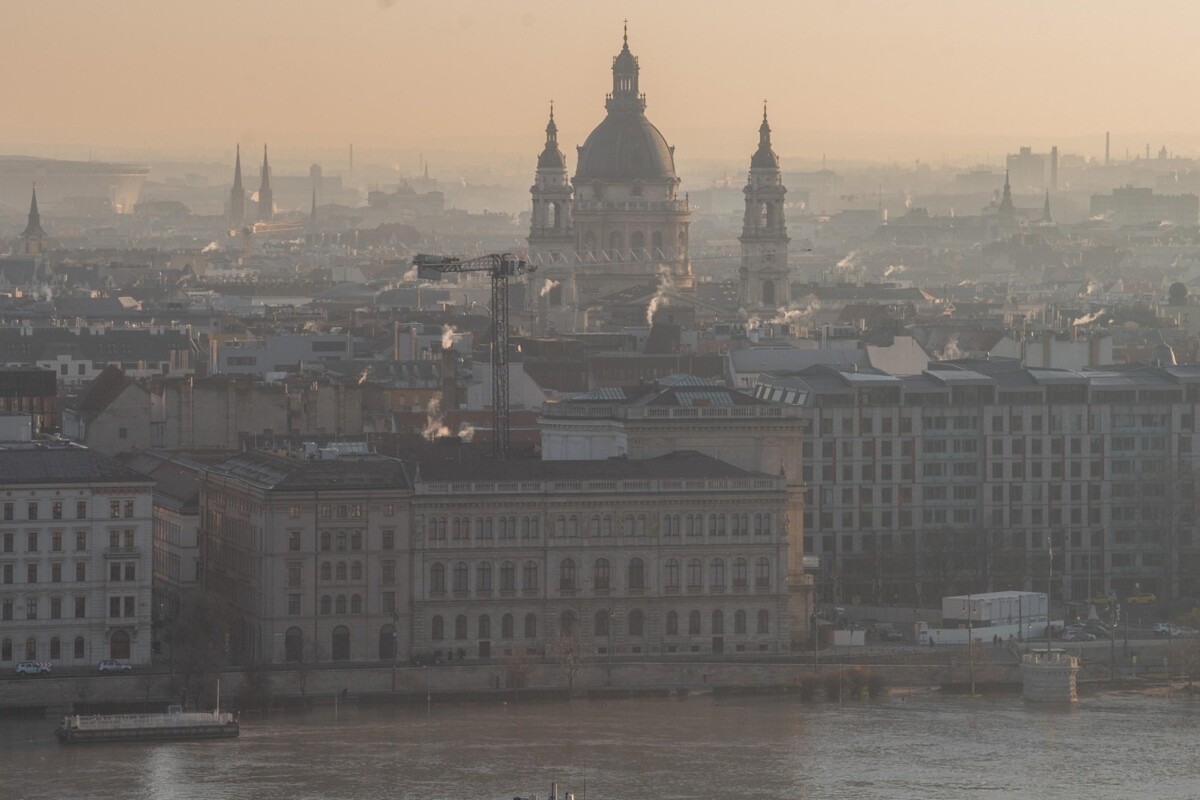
(34, 391)
(75, 557)
(112, 416)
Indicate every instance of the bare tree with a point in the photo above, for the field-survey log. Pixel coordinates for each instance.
(516, 670)
(567, 652)
(310, 656)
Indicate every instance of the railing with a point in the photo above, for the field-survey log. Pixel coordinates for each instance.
(133, 721)
(569, 410)
(771, 484)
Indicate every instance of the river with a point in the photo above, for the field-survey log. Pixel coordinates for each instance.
(921, 746)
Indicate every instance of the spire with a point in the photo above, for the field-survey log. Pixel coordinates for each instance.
(266, 170)
(764, 130)
(266, 198)
(551, 157)
(764, 157)
(237, 170)
(34, 227)
(625, 95)
(551, 128)
(1046, 209)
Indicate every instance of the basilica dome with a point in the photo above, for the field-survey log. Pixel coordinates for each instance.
(625, 147)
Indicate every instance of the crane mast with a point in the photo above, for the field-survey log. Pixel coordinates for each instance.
(500, 267)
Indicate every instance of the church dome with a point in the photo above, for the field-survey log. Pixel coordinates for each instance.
(625, 147)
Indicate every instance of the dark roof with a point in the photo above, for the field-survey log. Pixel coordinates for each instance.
(625, 147)
(103, 390)
(176, 479)
(40, 464)
(275, 473)
(680, 464)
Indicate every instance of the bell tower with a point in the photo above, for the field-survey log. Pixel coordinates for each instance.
(551, 230)
(763, 285)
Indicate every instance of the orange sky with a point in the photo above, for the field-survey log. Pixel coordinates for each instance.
(902, 80)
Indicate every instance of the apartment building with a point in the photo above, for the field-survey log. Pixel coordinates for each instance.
(75, 557)
(967, 476)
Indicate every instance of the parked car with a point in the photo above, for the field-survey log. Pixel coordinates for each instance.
(1099, 629)
(886, 632)
(1078, 635)
(33, 668)
(110, 665)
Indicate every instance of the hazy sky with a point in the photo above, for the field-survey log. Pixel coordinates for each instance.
(893, 79)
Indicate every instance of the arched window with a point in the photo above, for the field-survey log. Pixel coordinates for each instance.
(531, 626)
(672, 623)
(341, 644)
(460, 576)
(6, 649)
(601, 575)
(437, 628)
(568, 623)
(293, 645)
(79, 645)
(637, 575)
(656, 240)
(762, 573)
(601, 625)
(118, 646)
(739, 573)
(326, 604)
(616, 241)
(529, 578)
(671, 570)
(356, 604)
(55, 649)
(483, 576)
(341, 570)
(695, 575)
(768, 293)
(718, 622)
(739, 621)
(437, 577)
(637, 243)
(356, 571)
(694, 623)
(508, 577)
(485, 626)
(764, 621)
(758, 524)
(460, 626)
(325, 540)
(326, 572)
(506, 626)
(356, 540)
(566, 575)
(341, 541)
(340, 604)
(637, 623)
(716, 573)
(387, 643)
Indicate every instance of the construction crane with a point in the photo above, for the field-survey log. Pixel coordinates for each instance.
(501, 267)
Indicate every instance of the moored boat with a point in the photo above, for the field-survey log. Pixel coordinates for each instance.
(175, 724)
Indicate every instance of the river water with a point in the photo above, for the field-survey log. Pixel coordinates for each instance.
(922, 746)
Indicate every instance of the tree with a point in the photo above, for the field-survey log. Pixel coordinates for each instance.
(516, 669)
(567, 652)
(310, 656)
(198, 634)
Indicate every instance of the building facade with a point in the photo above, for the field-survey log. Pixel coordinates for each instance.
(75, 557)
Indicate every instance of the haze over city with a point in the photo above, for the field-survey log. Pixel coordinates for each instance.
(862, 80)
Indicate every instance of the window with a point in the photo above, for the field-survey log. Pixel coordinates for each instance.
(56, 572)
(33, 509)
(356, 539)
(293, 573)
(56, 509)
(341, 540)
(325, 541)
(460, 627)
(694, 574)
(506, 626)
(8, 543)
(694, 623)
(508, 577)
(294, 541)
(716, 573)
(739, 573)
(461, 575)
(485, 626)
(530, 626)
(601, 575)
(483, 577)
(764, 621)
(356, 571)
(128, 509)
(130, 606)
(8, 511)
(739, 622)
(388, 603)
(672, 574)
(80, 540)
(762, 573)
(637, 623)
(672, 623)
(389, 540)
(356, 604)
(78, 648)
(294, 605)
(601, 625)
(31, 573)
(6, 609)
(8, 573)
(437, 630)
(718, 622)
(340, 604)
(529, 576)
(114, 509)
(31, 541)
(637, 577)
(80, 607)
(326, 572)
(566, 575)
(31, 648)
(114, 607)
(388, 571)
(437, 578)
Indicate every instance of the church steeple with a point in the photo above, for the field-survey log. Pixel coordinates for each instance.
(1006, 201)
(551, 157)
(763, 284)
(1046, 209)
(266, 198)
(237, 195)
(625, 95)
(33, 238)
(764, 157)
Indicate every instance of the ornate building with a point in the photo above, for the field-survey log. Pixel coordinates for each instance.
(621, 222)
(763, 285)
(33, 238)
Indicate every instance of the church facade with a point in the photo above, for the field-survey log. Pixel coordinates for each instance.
(620, 222)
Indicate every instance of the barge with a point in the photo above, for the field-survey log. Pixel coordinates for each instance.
(175, 724)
